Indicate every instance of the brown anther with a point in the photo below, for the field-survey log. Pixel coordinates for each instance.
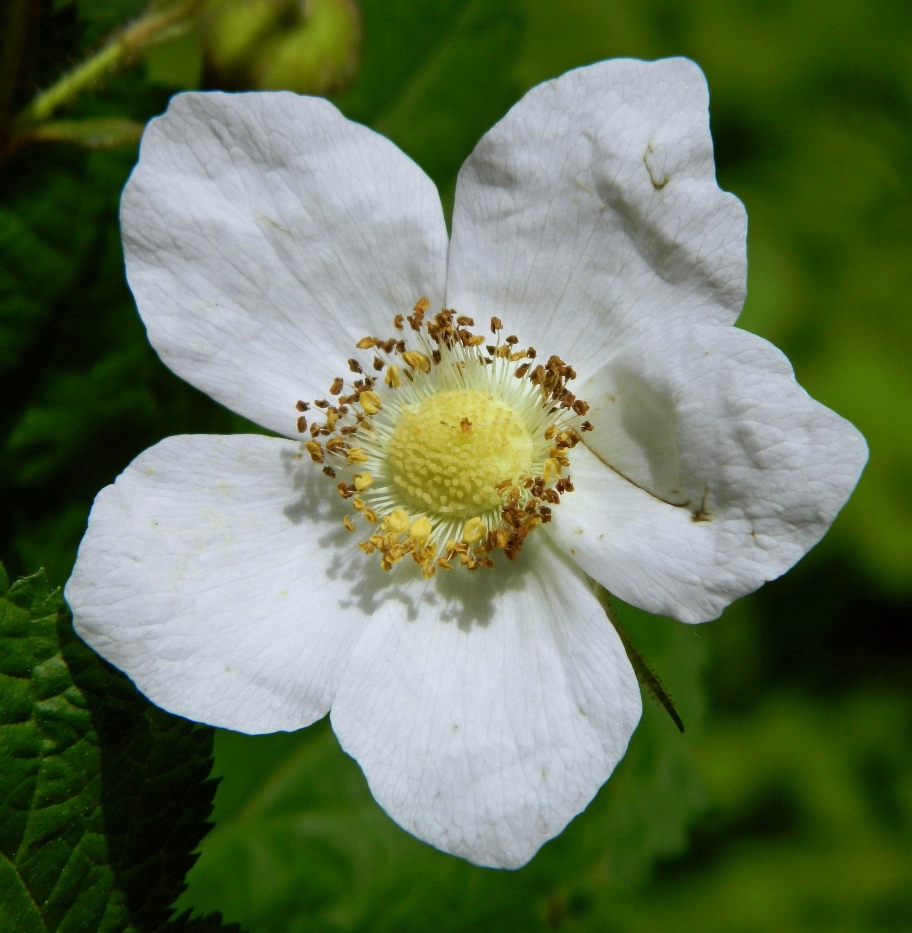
(464, 321)
(465, 426)
(349, 524)
(314, 429)
(496, 325)
(301, 406)
(522, 370)
(345, 491)
(355, 366)
(321, 403)
(491, 350)
(586, 426)
(378, 363)
(512, 340)
(436, 356)
(330, 472)
(422, 304)
(580, 407)
(399, 322)
(315, 451)
(335, 443)
(336, 387)
(365, 343)
(302, 424)
(531, 352)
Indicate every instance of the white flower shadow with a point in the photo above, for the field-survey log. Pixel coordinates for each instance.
(455, 597)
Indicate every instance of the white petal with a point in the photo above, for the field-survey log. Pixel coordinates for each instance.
(591, 212)
(711, 471)
(212, 574)
(487, 713)
(264, 235)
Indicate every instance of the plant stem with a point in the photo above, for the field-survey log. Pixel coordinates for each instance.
(157, 24)
(644, 673)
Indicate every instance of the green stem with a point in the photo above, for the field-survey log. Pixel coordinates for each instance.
(644, 673)
(124, 47)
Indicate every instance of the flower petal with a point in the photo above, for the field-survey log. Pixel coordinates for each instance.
(709, 472)
(486, 716)
(591, 212)
(265, 235)
(210, 575)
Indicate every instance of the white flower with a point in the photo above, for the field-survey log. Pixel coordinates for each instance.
(266, 236)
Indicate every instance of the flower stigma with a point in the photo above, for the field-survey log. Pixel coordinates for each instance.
(451, 450)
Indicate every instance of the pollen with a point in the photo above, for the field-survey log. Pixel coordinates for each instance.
(454, 449)
(450, 453)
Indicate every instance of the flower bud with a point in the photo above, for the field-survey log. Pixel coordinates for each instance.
(306, 46)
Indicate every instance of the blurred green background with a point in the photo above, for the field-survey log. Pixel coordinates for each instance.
(787, 806)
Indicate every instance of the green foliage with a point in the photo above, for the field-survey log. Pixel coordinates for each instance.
(103, 797)
(795, 799)
(811, 827)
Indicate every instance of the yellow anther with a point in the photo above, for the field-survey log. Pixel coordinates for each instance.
(417, 360)
(421, 529)
(551, 469)
(391, 377)
(397, 521)
(358, 503)
(356, 455)
(315, 451)
(370, 402)
(365, 343)
(371, 516)
(362, 481)
(474, 530)
(349, 524)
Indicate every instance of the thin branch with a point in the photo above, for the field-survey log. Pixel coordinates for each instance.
(123, 48)
(644, 673)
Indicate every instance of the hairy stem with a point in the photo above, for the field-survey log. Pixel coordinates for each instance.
(159, 22)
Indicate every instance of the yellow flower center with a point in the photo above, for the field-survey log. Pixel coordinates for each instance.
(451, 454)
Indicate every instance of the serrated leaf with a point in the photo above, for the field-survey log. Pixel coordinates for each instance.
(103, 797)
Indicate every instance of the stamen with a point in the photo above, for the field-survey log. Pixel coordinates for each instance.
(460, 450)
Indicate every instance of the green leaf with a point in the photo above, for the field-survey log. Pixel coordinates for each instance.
(103, 797)
(435, 76)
